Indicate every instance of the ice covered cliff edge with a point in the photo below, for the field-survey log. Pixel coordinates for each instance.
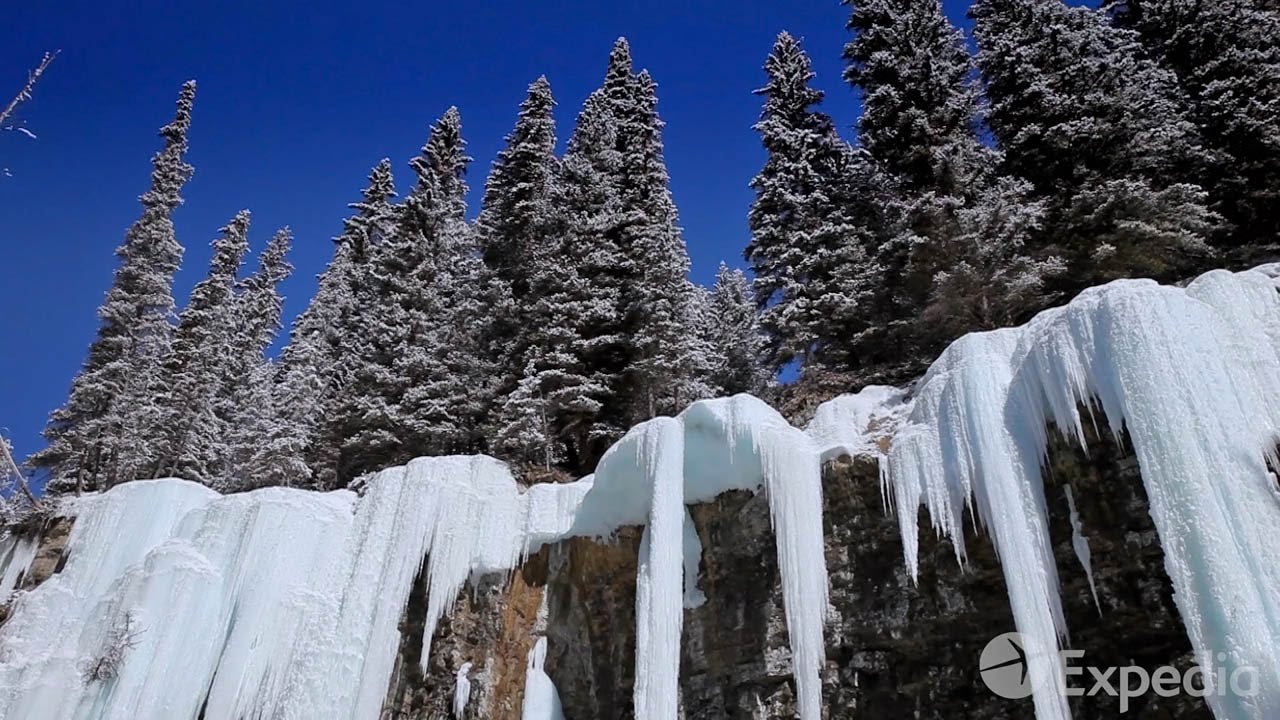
(177, 602)
(284, 603)
(1193, 377)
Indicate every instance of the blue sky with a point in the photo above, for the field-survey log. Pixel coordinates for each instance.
(295, 104)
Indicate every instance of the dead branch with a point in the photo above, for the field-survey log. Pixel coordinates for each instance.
(25, 94)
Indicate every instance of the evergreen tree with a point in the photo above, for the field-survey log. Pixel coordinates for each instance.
(189, 439)
(1227, 56)
(522, 236)
(913, 70)
(517, 217)
(584, 288)
(1101, 134)
(260, 451)
(323, 349)
(669, 364)
(88, 435)
(814, 224)
(735, 335)
(423, 386)
(961, 257)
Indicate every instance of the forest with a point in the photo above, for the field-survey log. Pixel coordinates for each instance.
(1058, 148)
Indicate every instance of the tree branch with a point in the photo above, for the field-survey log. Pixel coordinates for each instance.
(25, 94)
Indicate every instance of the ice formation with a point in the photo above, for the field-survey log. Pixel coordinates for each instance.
(1193, 377)
(1080, 544)
(286, 603)
(541, 701)
(17, 552)
(461, 691)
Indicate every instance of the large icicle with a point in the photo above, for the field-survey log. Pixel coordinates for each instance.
(1193, 377)
(541, 701)
(461, 691)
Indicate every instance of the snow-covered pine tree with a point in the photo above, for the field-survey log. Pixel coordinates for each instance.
(521, 235)
(316, 365)
(962, 256)
(1102, 134)
(669, 366)
(261, 450)
(1227, 56)
(189, 439)
(517, 216)
(88, 434)
(589, 331)
(815, 223)
(423, 384)
(736, 336)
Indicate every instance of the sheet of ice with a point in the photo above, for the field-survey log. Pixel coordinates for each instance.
(461, 691)
(1193, 376)
(541, 701)
(17, 552)
(1080, 544)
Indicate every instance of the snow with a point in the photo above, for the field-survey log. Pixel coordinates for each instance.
(1193, 376)
(461, 691)
(541, 701)
(859, 424)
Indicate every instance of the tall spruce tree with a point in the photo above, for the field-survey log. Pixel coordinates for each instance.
(260, 448)
(423, 384)
(189, 439)
(815, 223)
(1101, 133)
(1227, 57)
(521, 234)
(591, 299)
(669, 364)
(88, 435)
(317, 363)
(962, 255)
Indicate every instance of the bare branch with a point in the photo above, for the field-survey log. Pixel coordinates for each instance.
(25, 94)
(9, 467)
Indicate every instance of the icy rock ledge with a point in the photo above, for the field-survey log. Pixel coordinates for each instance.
(177, 602)
(1193, 376)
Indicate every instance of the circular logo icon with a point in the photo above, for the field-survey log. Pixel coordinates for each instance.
(1003, 666)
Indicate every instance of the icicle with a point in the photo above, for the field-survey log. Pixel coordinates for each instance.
(659, 578)
(693, 596)
(461, 691)
(1080, 544)
(1193, 376)
(541, 701)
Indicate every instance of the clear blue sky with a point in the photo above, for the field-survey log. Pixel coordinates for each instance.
(296, 104)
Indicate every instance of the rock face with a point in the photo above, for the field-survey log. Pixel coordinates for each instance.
(895, 648)
(50, 555)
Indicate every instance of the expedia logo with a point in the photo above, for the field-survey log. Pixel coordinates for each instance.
(1003, 666)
